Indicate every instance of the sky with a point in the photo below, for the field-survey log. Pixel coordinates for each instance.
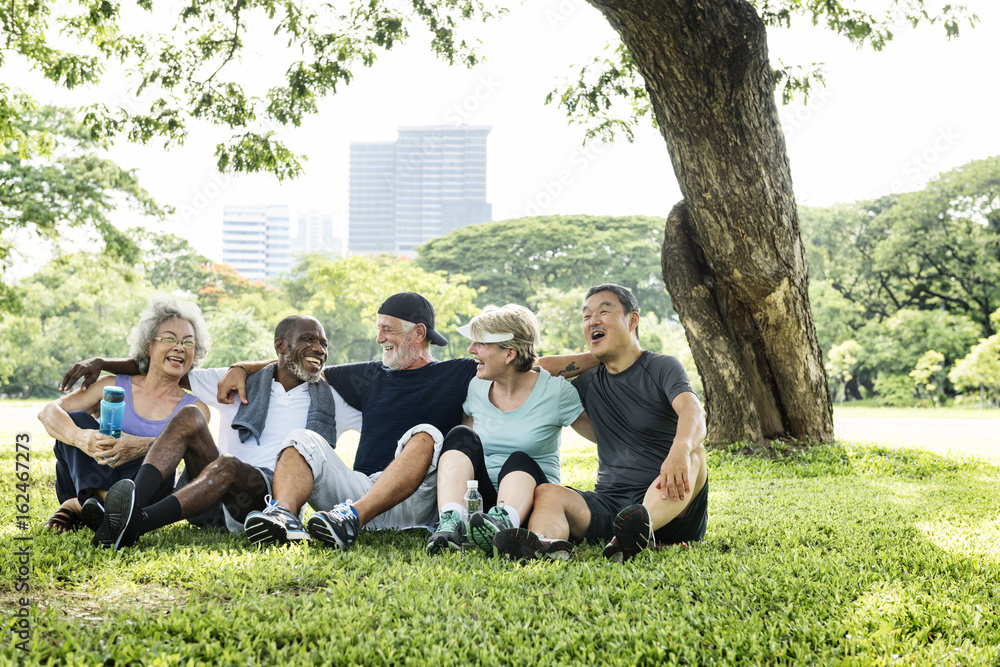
(885, 122)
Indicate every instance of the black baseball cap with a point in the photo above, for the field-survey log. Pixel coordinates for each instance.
(412, 307)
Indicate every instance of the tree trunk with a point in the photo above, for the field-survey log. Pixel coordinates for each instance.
(733, 260)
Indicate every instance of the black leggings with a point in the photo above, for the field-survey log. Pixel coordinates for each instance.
(465, 440)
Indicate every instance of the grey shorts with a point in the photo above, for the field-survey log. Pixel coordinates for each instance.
(335, 483)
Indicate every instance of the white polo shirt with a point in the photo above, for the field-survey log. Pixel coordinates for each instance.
(286, 411)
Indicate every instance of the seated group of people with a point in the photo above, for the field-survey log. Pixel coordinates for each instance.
(427, 427)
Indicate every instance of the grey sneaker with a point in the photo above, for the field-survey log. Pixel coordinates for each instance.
(482, 527)
(450, 533)
(632, 533)
(338, 527)
(275, 525)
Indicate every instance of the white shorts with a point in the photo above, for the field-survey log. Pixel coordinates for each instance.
(334, 482)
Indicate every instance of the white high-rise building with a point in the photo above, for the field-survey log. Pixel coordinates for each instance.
(255, 240)
(428, 182)
(315, 233)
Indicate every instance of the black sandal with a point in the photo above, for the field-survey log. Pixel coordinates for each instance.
(63, 520)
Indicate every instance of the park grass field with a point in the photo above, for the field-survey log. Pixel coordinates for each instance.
(847, 554)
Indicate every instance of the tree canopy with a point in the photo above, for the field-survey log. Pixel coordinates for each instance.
(938, 248)
(524, 256)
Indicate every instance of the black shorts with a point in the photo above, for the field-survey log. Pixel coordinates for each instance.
(467, 441)
(689, 527)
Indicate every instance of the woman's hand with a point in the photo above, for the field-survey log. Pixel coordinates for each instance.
(94, 443)
(124, 449)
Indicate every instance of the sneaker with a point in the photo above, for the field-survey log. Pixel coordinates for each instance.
(120, 526)
(632, 532)
(522, 544)
(450, 533)
(93, 514)
(338, 527)
(482, 527)
(275, 525)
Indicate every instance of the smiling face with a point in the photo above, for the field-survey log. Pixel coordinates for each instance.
(606, 327)
(303, 353)
(174, 359)
(400, 348)
(492, 361)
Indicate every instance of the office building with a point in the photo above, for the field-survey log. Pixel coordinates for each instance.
(428, 182)
(255, 240)
(315, 233)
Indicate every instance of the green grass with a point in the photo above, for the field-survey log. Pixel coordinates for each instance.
(842, 554)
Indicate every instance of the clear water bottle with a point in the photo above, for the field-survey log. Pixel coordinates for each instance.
(112, 411)
(473, 502)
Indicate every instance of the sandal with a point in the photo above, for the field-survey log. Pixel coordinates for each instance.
(63, 520)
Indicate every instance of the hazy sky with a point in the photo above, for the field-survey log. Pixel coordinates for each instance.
(885, 122)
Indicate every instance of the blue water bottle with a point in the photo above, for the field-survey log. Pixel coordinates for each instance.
(112, 411)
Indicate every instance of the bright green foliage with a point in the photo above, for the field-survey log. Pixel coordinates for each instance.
(239, 334)
(608, 95)
(928, 375)
(936, 248)
(76, 307)
(830, 555)
(842, 359)
(893, 347)
(344, 295)
(186, 58)
(69, 186)
(980, 369)
(513, 260)
(171, 262)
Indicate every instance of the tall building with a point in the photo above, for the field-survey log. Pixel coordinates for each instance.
(428, 182)
(255, 240)
(315, 233)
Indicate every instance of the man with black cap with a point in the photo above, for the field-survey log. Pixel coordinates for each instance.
(408, 401)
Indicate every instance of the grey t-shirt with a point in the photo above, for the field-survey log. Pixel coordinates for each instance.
(633, 419)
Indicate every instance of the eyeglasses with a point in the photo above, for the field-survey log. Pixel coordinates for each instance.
(171, 341)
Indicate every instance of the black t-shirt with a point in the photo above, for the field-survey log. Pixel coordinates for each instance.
(632, 418)
(392, 402)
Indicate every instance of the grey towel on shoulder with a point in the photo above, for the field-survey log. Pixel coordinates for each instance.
(250, 418)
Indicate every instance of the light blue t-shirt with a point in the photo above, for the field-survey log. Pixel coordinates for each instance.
(533, 428)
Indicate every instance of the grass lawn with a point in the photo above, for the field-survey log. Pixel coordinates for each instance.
(844, 554)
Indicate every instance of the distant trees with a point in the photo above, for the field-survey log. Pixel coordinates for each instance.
(908, 274)
(512, 261)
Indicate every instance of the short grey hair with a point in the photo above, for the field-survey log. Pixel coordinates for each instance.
(161, 308)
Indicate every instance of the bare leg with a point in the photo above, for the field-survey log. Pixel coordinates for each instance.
(559, 513)
(399, 480)
(240, 486)
(293, 480)
(662, 512)
(517, 490)
(186, 438)
(454, 471)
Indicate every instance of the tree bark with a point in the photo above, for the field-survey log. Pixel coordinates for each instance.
(733, 259)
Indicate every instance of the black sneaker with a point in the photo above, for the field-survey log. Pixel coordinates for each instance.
(338, 527)
(632, 532)
(450, 533)
(120, 527)
(274, 525)
(482, 527)
(93, 514)
(517, 544)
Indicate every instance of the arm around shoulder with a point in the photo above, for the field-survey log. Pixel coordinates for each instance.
(567, 365)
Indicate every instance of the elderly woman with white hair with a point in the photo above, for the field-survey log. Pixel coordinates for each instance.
(170, 339)
(510, 437)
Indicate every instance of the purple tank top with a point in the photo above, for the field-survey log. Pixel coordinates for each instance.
(133, 424)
